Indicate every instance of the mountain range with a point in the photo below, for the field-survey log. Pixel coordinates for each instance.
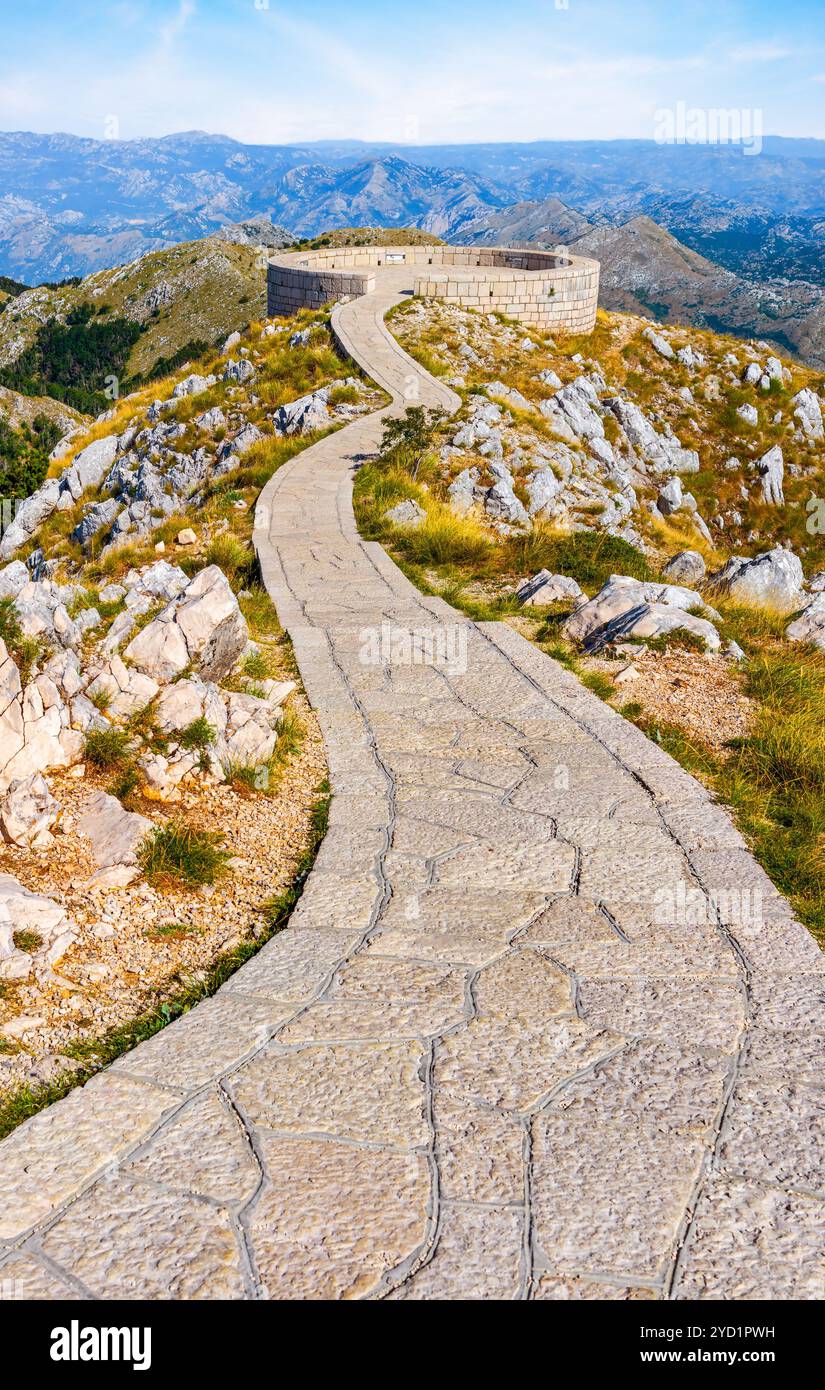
(70, 206)
(696, 234)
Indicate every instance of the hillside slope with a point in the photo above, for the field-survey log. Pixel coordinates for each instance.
(146, 314)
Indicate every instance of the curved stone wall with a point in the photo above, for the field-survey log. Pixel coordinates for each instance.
(541, 288)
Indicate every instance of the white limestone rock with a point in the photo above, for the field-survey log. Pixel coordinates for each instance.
(772, 473)
(307, 414)
(810, 625)
(406, 513)
(773, 579)
(28, 812)
(661, 453)
(688, 567)
(808, 413)
(545, 588)
(115, 833)
(626, 607)
(203, 628)
(22, 910)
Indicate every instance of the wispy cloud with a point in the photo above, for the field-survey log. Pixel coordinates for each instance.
(762, 53)
(171, 29)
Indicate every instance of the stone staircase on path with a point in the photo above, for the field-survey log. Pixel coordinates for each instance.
(482, 1062)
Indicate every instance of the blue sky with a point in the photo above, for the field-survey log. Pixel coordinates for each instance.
(430, 71)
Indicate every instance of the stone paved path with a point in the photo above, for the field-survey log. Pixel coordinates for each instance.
(483, 1061)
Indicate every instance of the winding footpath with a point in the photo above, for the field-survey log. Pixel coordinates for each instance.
(498, 1053)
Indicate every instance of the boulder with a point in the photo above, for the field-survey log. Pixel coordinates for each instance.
(115, 833)
(810, 625)
(203, 628)
(193, 385)
(670, 497)
(575, 411)
(128, 690)
(626, 607)
(465, 492)
(211, 420)
(772, 473)
(29, 515)
(90, 465)
(661, 344)
(21, 910)
(303, 416)
(688, 567)
(773, 579)
(27, 813)
(97, 518)
(546, 588)
(406, 513)
(500, 501)
(749, 414)
(661, 453)
(240, 371)
(808, 413)
(511, 397)
(251, 732)
(543, 488)
(160, 579)
(13, 578)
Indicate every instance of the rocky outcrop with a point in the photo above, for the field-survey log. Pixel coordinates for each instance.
(688, 567)
(810, 625)
(24, 911)
(545, 588)
(660, 453)
(773, 579)
(202, 628)
(627, 607)
(28, 813)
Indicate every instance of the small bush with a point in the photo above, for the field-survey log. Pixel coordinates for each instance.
(29, 941)
(199, 734)
(176, 853)
(256, 665)
(234, 558)
(125, 783)
(10, 629)
(108, 749)
(445, 539)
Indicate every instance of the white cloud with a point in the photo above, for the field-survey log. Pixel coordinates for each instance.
(762, 53)
(173, 27)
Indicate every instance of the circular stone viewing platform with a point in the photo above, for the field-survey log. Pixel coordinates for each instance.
(544, 289)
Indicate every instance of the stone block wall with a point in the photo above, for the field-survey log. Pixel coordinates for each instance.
(543, 289)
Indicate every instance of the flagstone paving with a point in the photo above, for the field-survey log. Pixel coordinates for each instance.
(493, 1056)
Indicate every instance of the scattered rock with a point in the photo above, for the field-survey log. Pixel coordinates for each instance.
(688, 567)
(810, 625)
(114, 832)
(773, 579)
(626, 607)
(545, 588)
(406, 513)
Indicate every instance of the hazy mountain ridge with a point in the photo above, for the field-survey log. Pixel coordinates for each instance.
(71, 206)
